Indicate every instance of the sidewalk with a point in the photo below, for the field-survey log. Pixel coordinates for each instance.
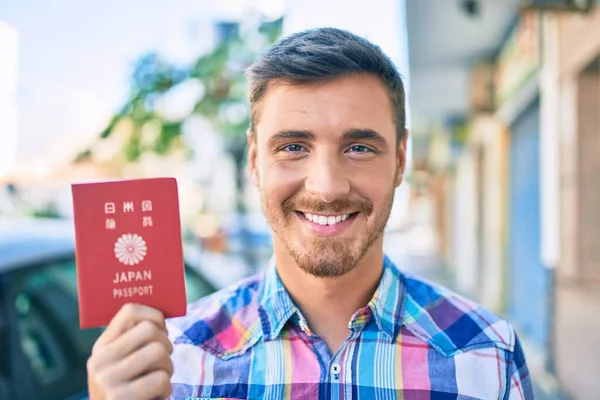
(430, 266)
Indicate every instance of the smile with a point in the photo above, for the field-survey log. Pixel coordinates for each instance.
(327, 225)
(326, 219)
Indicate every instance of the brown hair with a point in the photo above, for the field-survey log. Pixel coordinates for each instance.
(323, 54)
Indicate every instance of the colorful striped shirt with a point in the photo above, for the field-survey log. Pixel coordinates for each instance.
(414, 340)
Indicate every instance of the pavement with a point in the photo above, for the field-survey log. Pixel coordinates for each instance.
(578, 338)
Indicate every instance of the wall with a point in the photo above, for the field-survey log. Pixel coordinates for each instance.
(464, 236)
(588, 111)
(577, 344)
(579, 44)
(579, 40)
(490, 135)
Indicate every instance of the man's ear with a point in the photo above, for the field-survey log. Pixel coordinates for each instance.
(252, 154)
(401, 158)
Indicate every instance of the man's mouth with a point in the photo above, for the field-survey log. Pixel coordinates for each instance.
(327, 220)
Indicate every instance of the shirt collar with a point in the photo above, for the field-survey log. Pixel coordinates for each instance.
(277, 307)
(388, 301)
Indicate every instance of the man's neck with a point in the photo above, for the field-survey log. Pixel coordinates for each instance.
(329, 303)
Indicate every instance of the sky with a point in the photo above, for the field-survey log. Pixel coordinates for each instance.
(74, 62)
(75, 56)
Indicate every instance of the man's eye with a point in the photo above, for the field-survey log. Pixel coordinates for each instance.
(293, 148)
(359, 148)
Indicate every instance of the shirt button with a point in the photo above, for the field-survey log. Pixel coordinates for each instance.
(336, 368)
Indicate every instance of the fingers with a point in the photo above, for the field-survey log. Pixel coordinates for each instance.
(154, 385)
(149, 358)
(137, 337)
(127, 317)
(131, 359)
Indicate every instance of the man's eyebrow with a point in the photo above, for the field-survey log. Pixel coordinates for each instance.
(291, 134)
(356, 134)
(366, 134)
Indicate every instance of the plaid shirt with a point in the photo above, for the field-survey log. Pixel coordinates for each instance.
(414, 340)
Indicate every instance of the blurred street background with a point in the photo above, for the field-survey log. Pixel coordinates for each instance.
(500, 199)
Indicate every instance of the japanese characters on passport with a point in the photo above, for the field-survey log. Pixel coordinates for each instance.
(128, 248)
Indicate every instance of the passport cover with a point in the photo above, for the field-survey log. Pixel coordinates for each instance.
(128, 248)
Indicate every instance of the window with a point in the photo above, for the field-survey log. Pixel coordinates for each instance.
(47, 360)
(55, 348)
(47, 313)
(196, 286)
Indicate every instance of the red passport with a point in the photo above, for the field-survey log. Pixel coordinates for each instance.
(128, 248)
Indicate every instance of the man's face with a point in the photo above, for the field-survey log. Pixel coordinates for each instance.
(326, 161)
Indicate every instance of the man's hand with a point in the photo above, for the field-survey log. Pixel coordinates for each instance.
(131, 359)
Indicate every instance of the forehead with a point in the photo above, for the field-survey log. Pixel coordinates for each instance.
(326, 108)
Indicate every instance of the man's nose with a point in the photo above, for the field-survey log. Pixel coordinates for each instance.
(327, 179)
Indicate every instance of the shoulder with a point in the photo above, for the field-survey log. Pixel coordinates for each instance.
(224, 323)
(450, 322)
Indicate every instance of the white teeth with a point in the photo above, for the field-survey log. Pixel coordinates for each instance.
(325, 220)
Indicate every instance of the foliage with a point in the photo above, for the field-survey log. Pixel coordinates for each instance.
(220, 73)
(223, 103)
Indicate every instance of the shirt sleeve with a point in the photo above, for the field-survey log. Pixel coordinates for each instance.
(519, 379)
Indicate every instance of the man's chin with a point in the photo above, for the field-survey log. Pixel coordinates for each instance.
(330, 263)
(324, 270)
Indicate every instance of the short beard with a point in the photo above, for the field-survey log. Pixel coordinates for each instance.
(332, 258)
(328, 257)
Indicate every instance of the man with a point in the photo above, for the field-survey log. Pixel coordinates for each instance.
(332, 317)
